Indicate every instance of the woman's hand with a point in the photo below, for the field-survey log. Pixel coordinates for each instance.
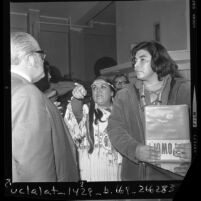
(79, 92)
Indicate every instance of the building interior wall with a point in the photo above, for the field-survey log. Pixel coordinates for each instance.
(77, 52)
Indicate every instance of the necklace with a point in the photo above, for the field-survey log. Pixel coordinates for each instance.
(155, 95)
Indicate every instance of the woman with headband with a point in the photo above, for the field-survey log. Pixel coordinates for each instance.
(98, 160)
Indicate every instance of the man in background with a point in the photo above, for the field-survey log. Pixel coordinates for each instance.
(42, 148)
(120, 81)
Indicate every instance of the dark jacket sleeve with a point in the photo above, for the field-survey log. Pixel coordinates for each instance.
(184, 94)
(64, 149)
(120, 130)
(77, 108)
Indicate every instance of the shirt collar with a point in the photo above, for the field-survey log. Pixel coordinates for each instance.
(21, 74)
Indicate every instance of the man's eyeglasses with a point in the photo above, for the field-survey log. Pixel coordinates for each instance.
(42, 53)
(120, 82)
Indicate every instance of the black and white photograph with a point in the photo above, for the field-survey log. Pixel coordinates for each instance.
(101, 97)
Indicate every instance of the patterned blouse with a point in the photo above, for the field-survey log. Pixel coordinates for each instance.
(104, 163)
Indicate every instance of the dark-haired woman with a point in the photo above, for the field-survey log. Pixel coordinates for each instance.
(98, 160)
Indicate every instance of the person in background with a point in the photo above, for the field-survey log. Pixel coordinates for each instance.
(102, 63)
(120, 81)
(44, 83)
(60, 91)
(55, 74)
(158, 82)
(42, 148)
(98, 160)
(56, 88)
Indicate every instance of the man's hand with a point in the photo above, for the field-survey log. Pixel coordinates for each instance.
(183, 151)
(147, 153)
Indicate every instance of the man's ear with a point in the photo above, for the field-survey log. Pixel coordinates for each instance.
(30, 60)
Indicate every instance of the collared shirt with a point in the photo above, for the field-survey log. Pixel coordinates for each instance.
(21, 74)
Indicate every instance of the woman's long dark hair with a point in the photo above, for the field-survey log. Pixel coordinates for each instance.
(161, 62)
(95, 114)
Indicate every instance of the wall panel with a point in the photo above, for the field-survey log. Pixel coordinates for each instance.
(96, 47)
(18, 22)
(53, 39)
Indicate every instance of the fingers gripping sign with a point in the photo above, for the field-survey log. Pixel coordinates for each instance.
(147, 153)
(183, 150)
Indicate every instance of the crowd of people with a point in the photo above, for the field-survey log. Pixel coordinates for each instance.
(65, 131)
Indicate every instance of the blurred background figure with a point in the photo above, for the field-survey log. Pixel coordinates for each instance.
(120, 81)
(44, 83)
(102, 63)
(59, 89)
(53, 85)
